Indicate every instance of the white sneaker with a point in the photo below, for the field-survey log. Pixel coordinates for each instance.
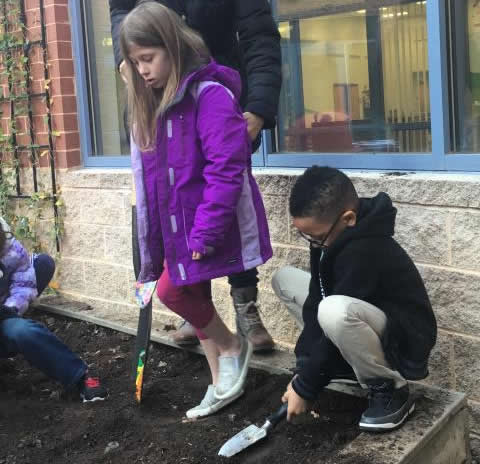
(232, 372)
(210, 404)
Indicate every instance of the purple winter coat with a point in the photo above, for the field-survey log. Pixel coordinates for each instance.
(18, 284)
(196, 191)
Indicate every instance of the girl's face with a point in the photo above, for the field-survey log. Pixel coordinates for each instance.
(152, 64)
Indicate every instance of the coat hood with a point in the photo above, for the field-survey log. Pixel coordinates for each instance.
(376, 218)
(213, 71)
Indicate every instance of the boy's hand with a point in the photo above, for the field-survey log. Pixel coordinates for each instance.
(296, 404)
(197, 256)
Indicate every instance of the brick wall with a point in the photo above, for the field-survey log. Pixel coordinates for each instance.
(60, 83)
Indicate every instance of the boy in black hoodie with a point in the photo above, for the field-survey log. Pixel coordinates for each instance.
(366, 314)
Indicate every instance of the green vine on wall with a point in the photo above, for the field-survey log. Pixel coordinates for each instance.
(37, 215)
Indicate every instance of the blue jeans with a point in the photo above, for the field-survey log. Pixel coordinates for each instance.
(40, 347)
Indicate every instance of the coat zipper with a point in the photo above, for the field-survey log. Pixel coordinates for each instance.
(320, 281)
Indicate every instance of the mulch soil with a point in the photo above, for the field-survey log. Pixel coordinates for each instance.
(40, 423)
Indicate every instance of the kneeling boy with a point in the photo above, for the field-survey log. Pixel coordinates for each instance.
(364, 309)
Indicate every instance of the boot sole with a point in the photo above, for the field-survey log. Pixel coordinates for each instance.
(263, 348)
(192, 342)
(388, 426)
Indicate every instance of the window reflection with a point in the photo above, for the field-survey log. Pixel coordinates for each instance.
(355, 80)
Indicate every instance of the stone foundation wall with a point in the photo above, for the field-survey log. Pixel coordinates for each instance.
(438, 223)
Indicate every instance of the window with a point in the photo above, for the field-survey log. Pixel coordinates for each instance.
(105, 88)
(356, 78)
(465, 25)
(368, 84)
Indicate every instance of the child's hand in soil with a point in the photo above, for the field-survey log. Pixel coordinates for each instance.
(296, 404)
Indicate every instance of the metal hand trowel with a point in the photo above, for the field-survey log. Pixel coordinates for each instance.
(252, 434)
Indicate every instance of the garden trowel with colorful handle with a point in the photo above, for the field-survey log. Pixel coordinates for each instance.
(252, 434)
(143, 295)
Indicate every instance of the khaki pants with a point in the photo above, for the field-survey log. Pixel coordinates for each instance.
(354, 326)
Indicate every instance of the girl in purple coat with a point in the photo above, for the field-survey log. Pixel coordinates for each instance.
(199, 211)
(22, 279)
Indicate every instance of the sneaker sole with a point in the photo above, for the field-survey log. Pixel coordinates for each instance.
(215, 408)
(238, 386)
(187, 342)
(93, 400)
(345, 381)
(389, 426)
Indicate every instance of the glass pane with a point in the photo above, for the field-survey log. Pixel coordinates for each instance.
(106, 89)
(355, 77)
(466, 27)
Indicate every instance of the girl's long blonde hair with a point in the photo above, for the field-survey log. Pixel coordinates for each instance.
(153, 25)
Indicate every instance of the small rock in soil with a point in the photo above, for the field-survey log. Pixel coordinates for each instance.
(231, 417)
(112, 446)
(162, 364)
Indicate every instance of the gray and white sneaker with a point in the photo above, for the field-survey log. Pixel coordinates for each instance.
(232, 372)
(210, 404)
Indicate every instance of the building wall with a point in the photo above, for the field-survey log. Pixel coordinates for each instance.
(438, 223)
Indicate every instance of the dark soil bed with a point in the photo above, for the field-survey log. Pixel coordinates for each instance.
(39, 423)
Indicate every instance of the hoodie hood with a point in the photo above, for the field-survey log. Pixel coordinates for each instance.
(213, 71)
(375, 218)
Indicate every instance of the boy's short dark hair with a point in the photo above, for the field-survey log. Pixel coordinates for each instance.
(322, 193)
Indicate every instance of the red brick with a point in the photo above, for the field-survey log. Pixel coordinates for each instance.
(61, 68)
(32, 18)
(37, 71)
(68, 159)
(64, 104)
(34, 33)
(65, 122)
(62, 86)
(32, 4)
(56, 14)
(41, 138)
(39, 107)
(58, 33)
(55, 2)
(40, 123)
(60, 50)
(36, 55)
(67, 141)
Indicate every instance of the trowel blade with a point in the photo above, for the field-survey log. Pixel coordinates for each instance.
(242, 440)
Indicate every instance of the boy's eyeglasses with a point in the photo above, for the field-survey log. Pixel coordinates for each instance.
(321, 243)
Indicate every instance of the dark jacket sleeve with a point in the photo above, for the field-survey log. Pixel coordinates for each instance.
(318, 371)
(118, 10)
(353, 275)
(259, 41)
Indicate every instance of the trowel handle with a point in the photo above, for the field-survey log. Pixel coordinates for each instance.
(277, 416)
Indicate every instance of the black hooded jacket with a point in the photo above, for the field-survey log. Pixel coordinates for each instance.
(239, 33)
(365, 262)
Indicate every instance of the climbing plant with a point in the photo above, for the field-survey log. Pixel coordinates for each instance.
(29, 196)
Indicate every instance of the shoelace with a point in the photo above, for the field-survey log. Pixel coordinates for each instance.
(252, 320)
(92, 382)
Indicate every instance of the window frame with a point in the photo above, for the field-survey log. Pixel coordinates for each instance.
(440, 159)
